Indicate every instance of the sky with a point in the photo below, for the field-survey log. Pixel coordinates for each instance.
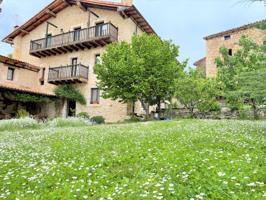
(185, 22)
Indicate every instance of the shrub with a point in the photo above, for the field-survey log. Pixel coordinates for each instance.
(98, 120)
(13, 124)
(69, 122)
(83, 115)
(22, 113)
(132, 119)
(70, 93)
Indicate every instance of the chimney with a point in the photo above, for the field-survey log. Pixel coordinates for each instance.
(127, 2)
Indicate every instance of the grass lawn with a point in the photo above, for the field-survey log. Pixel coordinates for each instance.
(187, 159)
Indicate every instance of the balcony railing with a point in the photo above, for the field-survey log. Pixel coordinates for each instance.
(68, 74)
(79, 39)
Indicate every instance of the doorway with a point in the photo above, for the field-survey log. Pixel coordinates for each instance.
(71, 109)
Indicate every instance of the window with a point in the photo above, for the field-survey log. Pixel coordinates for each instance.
(227, 37)
(10, 74)
(48, 40)
(101, 29)
(42, 78)
(98, 59)
(74, 63)
(230, 52)
(77, 34)
(95, 96)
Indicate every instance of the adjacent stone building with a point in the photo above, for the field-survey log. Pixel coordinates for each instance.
(228, 39)
(63, 42)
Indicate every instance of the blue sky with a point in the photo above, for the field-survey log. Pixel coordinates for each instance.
(185, 22)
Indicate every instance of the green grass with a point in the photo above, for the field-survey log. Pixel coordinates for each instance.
(187, 159)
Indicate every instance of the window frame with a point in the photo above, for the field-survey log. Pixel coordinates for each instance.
(227, 37)
(97, 101)
(12, 73)
(76, 34)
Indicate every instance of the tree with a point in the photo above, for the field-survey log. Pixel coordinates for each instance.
(249, 57)
(252, 88)
(144, 70)
(195, 91)
(240, 73)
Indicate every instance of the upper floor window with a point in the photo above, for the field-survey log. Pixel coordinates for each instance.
(42, 78)
(10, 74)
(227, 37)
(48, 40)
(95, 96)
(77, 34)
(101, 29)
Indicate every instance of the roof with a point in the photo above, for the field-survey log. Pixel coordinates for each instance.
(201, 61)
(56, 6)
(17, 63)
(19, 88)
(244, 27)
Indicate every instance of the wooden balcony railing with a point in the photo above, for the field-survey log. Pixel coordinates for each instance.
(80, 39)
(68, 74)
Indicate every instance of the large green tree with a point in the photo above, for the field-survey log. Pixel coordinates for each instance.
(144, 70)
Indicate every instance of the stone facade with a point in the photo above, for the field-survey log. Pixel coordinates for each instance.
(229, 39)
(67, 20)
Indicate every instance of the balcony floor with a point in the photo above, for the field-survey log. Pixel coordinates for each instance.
(76, 46)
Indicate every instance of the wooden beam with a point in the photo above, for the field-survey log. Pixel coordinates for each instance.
(24, 31)
(79, 4)
(48, 11)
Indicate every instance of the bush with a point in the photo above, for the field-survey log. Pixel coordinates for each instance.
(22, 113)
(83, 115)
(69, 122)
(132, 119)
(13, 124)
(98, 120)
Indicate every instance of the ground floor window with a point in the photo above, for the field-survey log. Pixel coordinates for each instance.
(95, 96)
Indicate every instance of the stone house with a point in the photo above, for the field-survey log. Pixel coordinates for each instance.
(62, 43)
(228, 39)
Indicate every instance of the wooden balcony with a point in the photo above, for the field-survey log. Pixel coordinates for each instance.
(81, 39)
(70, 74)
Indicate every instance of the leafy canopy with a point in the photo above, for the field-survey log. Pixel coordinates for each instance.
(70, 93)
(144, 70)
(195, 91)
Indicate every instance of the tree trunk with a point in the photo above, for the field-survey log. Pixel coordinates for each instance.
(255, 110)
(159, 108)
(146, 108)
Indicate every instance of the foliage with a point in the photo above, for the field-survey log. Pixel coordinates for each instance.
(144, 70)
(248, 58)
(70, 93)
(195, 91)
(98, 119)
(18, 124)
(83, 115)
(69, 122)
(252, 88)
(242, 74)
(22, 113)
(164, 160)
(23, 97)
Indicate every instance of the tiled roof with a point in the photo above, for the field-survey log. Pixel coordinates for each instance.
(19, 88)
(17, 63)
(201, 61)
(57, 5)
(244, 27)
